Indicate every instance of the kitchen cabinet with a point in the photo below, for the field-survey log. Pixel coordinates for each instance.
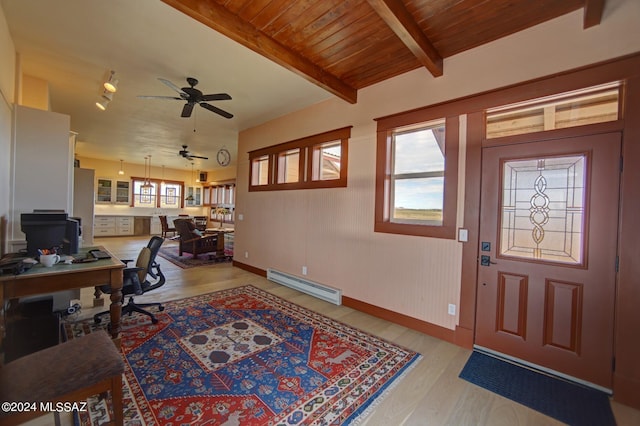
(110, 191)
(194, 196)
(109, 226)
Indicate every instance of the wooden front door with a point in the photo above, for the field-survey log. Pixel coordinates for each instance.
(548, 236)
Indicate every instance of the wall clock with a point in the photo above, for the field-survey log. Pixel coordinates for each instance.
(223, 157)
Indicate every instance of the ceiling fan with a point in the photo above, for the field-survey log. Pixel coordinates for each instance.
(185, 153)
(193, 96)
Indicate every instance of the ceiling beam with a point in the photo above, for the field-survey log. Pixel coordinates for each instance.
(593, 12)
(398, 18)
(217, 17)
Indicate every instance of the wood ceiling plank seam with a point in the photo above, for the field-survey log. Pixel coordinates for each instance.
(345, 37)
(221, 20)
(372, 76)
(272, 11)
(396, 16)
(457, 38)
(350, 22)
(234, 6)
(388, 63)
(593, 10)
(427, 8)
(298, 19)
(346, 49)
(310, 23)
(249, 9)
(465, 14)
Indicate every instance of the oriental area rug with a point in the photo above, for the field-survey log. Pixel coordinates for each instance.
(246, 357)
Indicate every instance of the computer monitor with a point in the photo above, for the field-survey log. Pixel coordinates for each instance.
(47, 230)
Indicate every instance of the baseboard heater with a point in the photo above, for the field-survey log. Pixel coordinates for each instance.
(321, 291)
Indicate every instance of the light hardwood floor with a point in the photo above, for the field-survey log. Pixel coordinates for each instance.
(431, 394)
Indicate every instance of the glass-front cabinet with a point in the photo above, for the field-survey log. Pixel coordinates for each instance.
(110, 191)
(193, 196)
(122, 192)
(104, 191)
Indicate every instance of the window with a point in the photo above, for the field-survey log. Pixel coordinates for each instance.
(170, 195)
(578, 108)
(318, 161)
(157, 194)
(289, 166)
(260, 171)
(326, 161)
(416, 177)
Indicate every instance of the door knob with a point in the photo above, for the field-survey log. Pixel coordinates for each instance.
(486, 260)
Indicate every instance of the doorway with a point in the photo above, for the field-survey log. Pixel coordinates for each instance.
(548, 246)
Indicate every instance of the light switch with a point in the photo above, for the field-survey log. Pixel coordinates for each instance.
(463, 235)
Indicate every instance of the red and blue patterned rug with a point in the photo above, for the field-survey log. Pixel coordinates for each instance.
(246, 357)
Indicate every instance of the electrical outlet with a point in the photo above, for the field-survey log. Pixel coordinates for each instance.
(452, 309)
(304, 270)
(246, 254)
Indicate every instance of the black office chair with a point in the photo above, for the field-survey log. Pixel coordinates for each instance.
(145, 276)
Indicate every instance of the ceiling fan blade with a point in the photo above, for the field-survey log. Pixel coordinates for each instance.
(217, 97)
(172, 86)
(217, 110)
(161, 97)
(197, 156)
(186, 111)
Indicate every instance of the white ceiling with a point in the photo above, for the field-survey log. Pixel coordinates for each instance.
(73, 44)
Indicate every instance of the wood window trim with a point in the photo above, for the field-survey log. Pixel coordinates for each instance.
(306, 146)
(386, 127)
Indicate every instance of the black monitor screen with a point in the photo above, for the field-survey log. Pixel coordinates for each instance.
(46, 231)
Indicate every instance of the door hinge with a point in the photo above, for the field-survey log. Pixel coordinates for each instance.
(617, 263)
(621, 163)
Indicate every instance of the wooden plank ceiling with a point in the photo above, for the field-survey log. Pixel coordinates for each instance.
(345, 45)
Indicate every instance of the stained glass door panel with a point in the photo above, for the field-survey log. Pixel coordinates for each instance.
(543, 208)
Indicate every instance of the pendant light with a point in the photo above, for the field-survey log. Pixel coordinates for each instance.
(121, 171)
(147, 183)
(190, 196)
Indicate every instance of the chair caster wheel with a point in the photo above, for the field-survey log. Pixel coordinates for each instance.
(97, 320)
(161, 308)
(154, 320)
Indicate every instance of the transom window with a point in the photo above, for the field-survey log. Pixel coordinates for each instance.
(593, 105)
(318, 161)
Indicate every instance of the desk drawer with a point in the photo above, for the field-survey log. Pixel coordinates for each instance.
(104, 231)
(104, 222)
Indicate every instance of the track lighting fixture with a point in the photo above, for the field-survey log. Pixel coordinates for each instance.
(111, 85)
(108, 89)
(104, 100)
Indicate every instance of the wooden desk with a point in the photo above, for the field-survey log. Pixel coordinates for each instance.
(42, 280)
